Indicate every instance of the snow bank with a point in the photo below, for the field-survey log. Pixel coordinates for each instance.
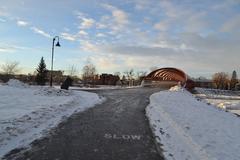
(223, 99)
(176, 88)
(27, 113)
(225, 104)
(191, 129)
(16, 83)
(217, 94)
(103, 87)
(98, 87)
(50, 91)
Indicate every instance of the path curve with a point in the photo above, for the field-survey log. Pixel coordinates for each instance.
(114, 130)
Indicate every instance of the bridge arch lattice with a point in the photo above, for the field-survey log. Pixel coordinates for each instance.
(165, 77)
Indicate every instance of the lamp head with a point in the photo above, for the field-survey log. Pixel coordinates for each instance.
(58, 44)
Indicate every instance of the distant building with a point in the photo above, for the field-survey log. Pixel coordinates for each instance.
(58, 76)
(203, 83)
(55, 73)
(107, 79)
(26, 78)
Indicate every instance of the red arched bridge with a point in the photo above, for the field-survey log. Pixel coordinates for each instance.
(167, 77)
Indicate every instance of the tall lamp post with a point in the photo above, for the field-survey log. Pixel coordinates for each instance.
(57, 45)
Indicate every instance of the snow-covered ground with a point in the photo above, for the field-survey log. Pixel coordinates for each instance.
(28, 112)
(99, 87)
(217, 94)
(191, 129)
(224, 99)
(103, 87)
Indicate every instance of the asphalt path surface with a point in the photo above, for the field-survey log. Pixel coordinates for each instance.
(114, 130)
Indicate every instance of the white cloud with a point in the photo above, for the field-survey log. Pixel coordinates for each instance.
(141, 5)
(74, 37)
(100, 35)
(79, 14)
(140, 46)
(2, 20)
(82, 33)
(41, 32)
(119, 17)
(10, 48)
(100, 25)
(146, 63)
(231, 25)
(189, 52)
(86, 22)
(196, 22)
(106, 63)
(89, 46)
(225, 5)
(66, 29)
(6, 50)
(157, 34)
(170, 9)
(182, 17)
(162, 26)
(68, 36)
(3, 12)
(22, 23)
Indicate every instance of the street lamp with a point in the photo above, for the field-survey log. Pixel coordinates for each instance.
(57, 45)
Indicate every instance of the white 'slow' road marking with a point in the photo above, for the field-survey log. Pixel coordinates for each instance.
(123, 137)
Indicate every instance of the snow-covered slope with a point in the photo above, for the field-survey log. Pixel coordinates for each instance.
(217, 93)
(28, 112)
(224, 99)
(191, 129)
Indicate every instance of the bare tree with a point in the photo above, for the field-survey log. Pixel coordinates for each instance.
(117, 74)
(72, 71)
(221, 80)
(141, 74)
(130, 76)
(10, 68)
(89, 72)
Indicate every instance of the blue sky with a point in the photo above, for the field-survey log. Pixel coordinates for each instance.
(199, 37)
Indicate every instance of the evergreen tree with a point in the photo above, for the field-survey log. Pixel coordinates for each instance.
(234, 80)
(41, 77)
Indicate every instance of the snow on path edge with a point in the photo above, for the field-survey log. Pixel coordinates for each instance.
(22, 131)
(189, 129)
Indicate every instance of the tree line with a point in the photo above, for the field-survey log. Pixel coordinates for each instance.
(222, 80)
(89, 74)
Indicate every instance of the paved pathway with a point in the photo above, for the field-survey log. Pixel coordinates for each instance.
(114, 130)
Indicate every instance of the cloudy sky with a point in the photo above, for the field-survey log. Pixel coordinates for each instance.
(199, 37)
